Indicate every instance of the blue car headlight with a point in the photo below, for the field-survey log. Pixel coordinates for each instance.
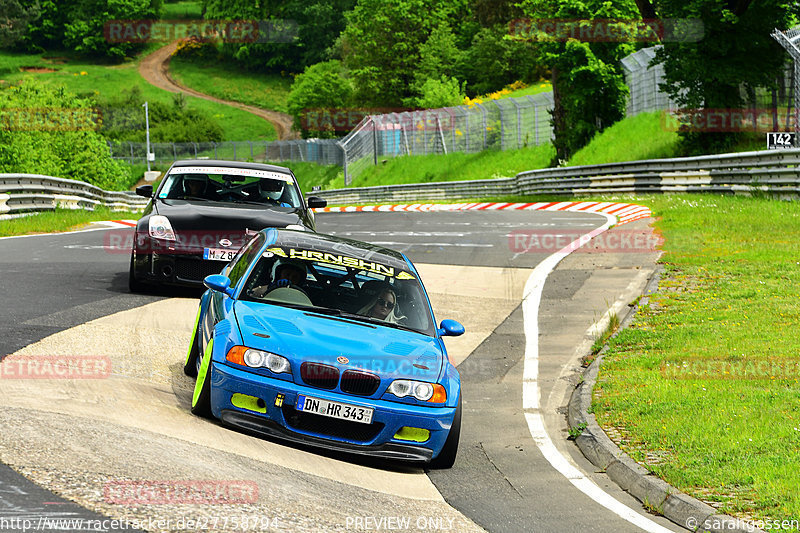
(242, 355)
(421, 390)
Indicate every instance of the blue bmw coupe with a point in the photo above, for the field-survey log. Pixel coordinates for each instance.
(327, 342)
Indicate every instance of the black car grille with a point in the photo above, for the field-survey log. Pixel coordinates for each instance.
(332, 427)
(361, 383)
(317, 375)
(197, 269)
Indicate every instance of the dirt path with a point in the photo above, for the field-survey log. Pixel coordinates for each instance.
(155, 69)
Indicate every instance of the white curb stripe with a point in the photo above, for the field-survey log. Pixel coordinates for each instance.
(530, 308)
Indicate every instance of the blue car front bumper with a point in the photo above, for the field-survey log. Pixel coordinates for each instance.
(275, 415)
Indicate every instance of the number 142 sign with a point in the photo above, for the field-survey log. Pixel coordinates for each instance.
(780, 139)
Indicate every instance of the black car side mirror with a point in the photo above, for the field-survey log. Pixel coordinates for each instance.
(316, 201)
(145, 190)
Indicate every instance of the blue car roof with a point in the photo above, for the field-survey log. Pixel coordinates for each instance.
(321, 242)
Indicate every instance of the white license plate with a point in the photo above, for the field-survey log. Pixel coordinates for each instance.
(342, 411)
(218, 254)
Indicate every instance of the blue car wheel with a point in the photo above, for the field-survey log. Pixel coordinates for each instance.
(447, 457)
(191, 366)
(201, 399)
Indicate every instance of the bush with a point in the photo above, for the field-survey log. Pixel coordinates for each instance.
(50, 131)
(193, 48)
(442, 92)
(322, 88)
(123, 120)
(79, 26)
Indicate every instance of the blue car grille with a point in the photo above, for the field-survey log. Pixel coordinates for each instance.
(332, 427)
(319, 375)
(361, 383)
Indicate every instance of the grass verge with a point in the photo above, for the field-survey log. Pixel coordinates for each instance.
(704, 385)
(455, 166)
(268, 91)
(83, 77)
(60, 220)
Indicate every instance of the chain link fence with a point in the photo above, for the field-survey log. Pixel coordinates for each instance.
(491, 125)
(321, 151)
(643, 81)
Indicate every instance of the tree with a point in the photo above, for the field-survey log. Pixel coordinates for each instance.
(735, 53)
(298, 33)
(14, 19)
(48, 130)
(382, 41)
(438, 56)
(79, 25)
(589, 89)
(319, 99)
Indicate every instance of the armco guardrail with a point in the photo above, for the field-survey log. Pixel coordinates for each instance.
(26, 193)
(774, 172)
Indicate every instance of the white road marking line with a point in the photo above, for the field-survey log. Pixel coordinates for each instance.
(530, 308)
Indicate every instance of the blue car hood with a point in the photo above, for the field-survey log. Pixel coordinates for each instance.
(306, 336)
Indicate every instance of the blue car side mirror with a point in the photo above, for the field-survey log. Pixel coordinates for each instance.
(218, 282)
(450, 328)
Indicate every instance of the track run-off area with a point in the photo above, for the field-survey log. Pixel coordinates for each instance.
(504, 271)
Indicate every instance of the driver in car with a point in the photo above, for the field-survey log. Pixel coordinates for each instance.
(288, 273)
(195, 185)
(271, 190)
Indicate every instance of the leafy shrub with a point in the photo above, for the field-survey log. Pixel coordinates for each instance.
(124, 120)
(79, 25)
(443, 92)
(60, 145)
(194, 48)
(321, 88)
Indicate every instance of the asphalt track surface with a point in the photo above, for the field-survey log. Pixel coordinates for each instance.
(501, 480)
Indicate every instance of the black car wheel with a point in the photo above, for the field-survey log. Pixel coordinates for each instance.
(134, 285)
(447, 457)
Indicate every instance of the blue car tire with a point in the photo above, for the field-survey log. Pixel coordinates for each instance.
(447, 457)
(201, 399)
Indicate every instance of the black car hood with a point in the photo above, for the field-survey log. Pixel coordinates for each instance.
(223, 217)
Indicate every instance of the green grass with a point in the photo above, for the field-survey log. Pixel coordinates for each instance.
(455, 166)
(59, 220)
(269, 91)
(638, 137)
(729, 293)
(85, 77)
(183, 10)
(311, 174)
